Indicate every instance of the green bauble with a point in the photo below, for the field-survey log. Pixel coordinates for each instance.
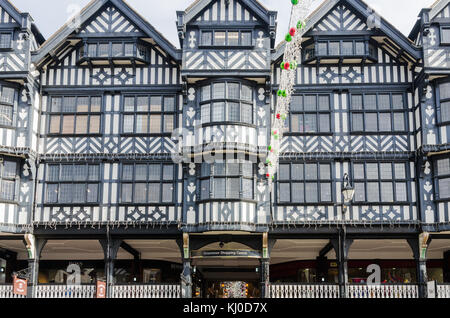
(288, 38)
(283, 93)
(282, 65)
(294, 2)
(300, 25)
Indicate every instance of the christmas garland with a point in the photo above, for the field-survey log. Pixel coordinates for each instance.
(300, 10)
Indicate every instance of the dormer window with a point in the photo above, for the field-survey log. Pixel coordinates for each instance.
(346, 50)
(5, 40)
(235, 38)
(117, 51)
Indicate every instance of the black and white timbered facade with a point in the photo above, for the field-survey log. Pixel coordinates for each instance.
(119, 150)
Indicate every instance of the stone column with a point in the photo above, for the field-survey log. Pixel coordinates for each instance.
(186, 275)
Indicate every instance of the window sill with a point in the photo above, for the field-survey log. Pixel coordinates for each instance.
(130, 204)
(227, 200)
(220, 123)
(146, 135)
(9, 202)
(224, 47)
(309, 134)
(81, 204)
(362, 133)
(8, 127)
(73, 135)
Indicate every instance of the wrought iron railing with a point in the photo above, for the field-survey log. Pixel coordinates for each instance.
(297, 290)
(382, 291)
(146, 291)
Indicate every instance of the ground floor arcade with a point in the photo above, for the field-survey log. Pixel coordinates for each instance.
(234, 265)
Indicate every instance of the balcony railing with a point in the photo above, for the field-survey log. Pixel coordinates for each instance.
(382, 291)
(443, 291)
(6, 291)
(292, 290)
(146, 291)
(66, 291)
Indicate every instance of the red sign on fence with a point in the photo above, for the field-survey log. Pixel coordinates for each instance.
(20, 286)
(101, 289)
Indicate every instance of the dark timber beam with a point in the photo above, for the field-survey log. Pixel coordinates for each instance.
(136, 254)
(324, 251)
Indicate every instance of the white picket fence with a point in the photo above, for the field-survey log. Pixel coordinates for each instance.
(66, 291)
(443, 291)
(304, 291)
(383, 291)
(146, 291)
(6, 291)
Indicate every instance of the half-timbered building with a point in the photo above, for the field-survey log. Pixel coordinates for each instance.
(129, 160)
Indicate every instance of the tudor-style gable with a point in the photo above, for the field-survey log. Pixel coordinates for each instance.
(124, 35)
(222, 36)
(341, 18)
(110, 21)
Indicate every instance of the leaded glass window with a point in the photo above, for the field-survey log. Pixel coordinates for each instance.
(8, 173)
(148, 114)
(382, 112)
(69, 115)
(72, 183)
(145, 183)
(304, 183)
(310, 114)
(6, 106)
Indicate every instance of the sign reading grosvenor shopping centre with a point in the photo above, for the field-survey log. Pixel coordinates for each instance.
(226, 253)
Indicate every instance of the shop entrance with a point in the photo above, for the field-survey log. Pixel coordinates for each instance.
(219, 278)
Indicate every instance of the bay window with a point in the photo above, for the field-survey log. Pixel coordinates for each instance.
(230, 101)
(6, 106)
(230, 180)
(443, 177)
(8, 173)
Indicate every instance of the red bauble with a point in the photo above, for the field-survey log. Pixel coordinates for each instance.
(292, 31)
(268, 175)
(278, 116)
(286, 65)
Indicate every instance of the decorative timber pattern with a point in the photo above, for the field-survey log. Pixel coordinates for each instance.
(225, 11)
(160, 71)
(5, 17)
(341, 19)
(110, 20)
(226, 60)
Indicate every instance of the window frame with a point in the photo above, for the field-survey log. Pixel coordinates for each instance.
(10, 47)
(87, 182)
(441, 29)
(134, 181)
(440, 101)
(8, 105)
(318, 113)
(212, 176)
(227, 101)
(392, 111)
(437, 177)
(15, 179)
(393, 180)
(226, 45)
(318, 181)
(84, 51)
(149, 113)
(61, 114)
